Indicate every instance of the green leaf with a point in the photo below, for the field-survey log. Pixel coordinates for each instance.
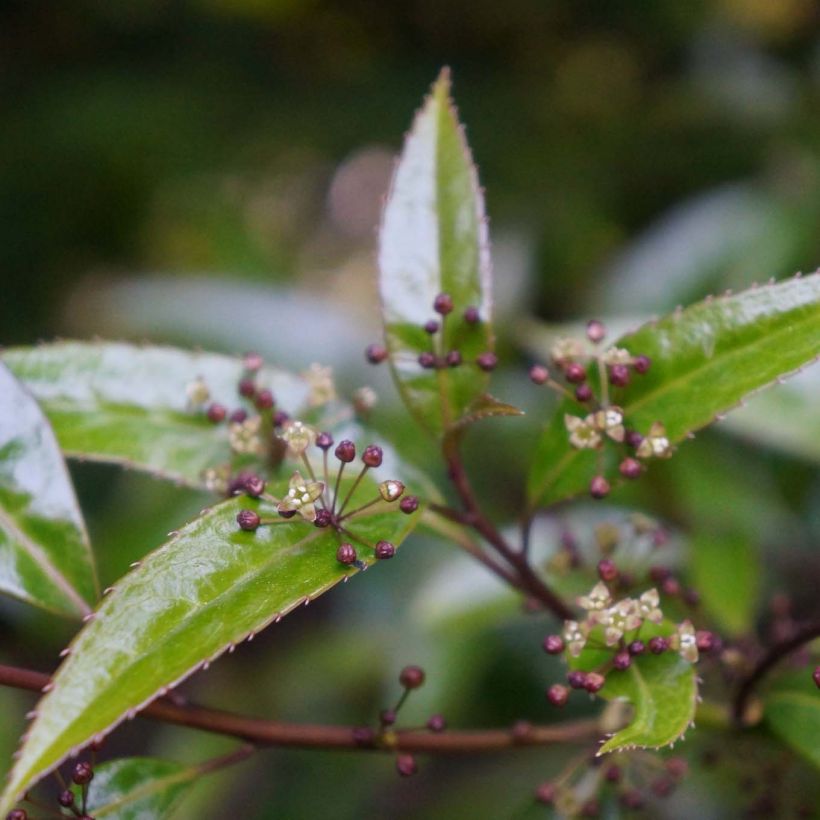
(434, 240)
(705, 360)
(663, 692)
(792, 711)
(726, 573)
(137, 788)
(208, 588)
(45, 557)
(127, 404)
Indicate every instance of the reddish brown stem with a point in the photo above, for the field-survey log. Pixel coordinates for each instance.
(309, 735)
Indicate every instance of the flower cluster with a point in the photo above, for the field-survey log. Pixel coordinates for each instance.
(439, 356)
(578, 363)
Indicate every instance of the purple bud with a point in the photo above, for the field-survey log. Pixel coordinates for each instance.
(453, 358)
(406, 765)
(384, 550)
(553, 644)
(622, 660)
(324, 441)
(545, 794)
(619, 375)
(387, 717)
(612, 773)
(575, 373)
(252, 362)
(677, 767)
(816, 676)
(599, 487)
(658, 645)
(594, 682)
(375, 354)
(633, 438)
(607, 571)
(431, 327)
(253, 485)
(346, 554)
(363, 735)
(436, 723)
(409, 504)
(642, 364)
(487, 361)
(637, 648)
(239, 415)
(372, 455)
(583, 393)
(345, 451)
(248, 520)
(630, 468)
(427, 360)
(411, 677)
(471, 315)
(280, 417)
(264, 400)
(577, 678)
(707, 641)
(671, 586)
(247, 388)
(82, 774)
(216, 413)
(539, 374)
(443, 304)
(323, 519)
(557, 694)
(66, 799)
(595, 331)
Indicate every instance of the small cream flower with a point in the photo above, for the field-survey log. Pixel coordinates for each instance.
(687, 642)
(655, 444)
(197, 391)
(391, 490)
(619, 619)
(216, 478)
(298, 437)
(597, 600)
(565, 349)
(301, 497)
(611, 422)
(575, 636)
(365, 399)
(616, 355)
(320, 382)
(582, 432)
(244, 436)
(648, 605)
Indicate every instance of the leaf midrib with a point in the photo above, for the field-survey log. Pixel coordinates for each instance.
(155, 785)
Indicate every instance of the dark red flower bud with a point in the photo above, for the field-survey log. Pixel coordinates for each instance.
(324, 441)
(487, 361)
(630, 468)
(287, 513)
(583, 393)
(633, 438)
(409, 504)
(406, 765)
(621, 661)
(612, 773)
(436, 723)
(252, 362)
(607, 571)
(427, 360)
(238, 416)
(82, 774)
(658, 645)
(691, 596)
(575, 373)
(637, 648)
(577, 678)
(375, 354)
(387, 717)
(66, 798)
(521, 730)
(594, 682)
(553, 644)
(545, 794)
(471, 315)
(372, 455)
(363, 735)
(247, 388)
(248, 520)
(17, 814)
(599, 487)
(557, 694)
(642, 364)
(671, 586)
(264, 400)
(411, 677)
(659, 574)
(595, 331)
(443, 304)
(345, 451)
(253, 485)
(453, 358)
(431, 327)
(816, 676)
(346, 554)
(384, 550)
(677, 767)
(539, 374)
(216, 413)
(619, 375)
(280, 417)
(323, 518)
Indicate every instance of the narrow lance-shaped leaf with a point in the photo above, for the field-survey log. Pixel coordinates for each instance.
(127, 404)
(136, 788)
(208, 588)
(433, 240)
(705, 361)
(45, 557)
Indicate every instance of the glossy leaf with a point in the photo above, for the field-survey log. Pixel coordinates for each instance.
(137, 788)
(792, 711)
(726, 573)
(663, 692)
(208, 588)
(127, 404)
(434, 240)
(45, 557)
(706, 360)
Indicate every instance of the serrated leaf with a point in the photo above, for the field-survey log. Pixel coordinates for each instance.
(45, 557)
(663, 692)
(706, 360)
(726, 573)
(434, 240)
(136, 788)
(792, 711)
(128, 404)
(208, 588)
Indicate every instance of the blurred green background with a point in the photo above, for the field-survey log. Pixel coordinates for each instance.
(210, 173)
